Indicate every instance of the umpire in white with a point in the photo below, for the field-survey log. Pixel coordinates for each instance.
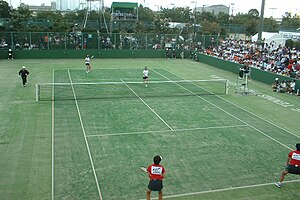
(24, 73)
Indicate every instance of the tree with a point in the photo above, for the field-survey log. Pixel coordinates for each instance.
(210, 28)
(290, 22)
(145, 14)
(289, 43)
(249, 21)
(270, 25)
(160, 25)
(251, 27)
(223, 18)
(20, 17)
(208, 16)
(177, 14)
(5, 10)
(253, 13)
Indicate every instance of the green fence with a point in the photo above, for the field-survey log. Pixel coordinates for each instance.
(57, 54)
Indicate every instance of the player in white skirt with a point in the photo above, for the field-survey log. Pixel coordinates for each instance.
(88, 65)
(146, 76)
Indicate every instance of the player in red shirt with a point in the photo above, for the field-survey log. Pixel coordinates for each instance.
(292, 165)
(156, 174)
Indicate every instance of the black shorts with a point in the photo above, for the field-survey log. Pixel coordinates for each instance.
(145, 77)
(292, 169)
(155, 185)
(87, 64)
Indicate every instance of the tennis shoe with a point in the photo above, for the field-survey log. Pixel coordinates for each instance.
(278, 184)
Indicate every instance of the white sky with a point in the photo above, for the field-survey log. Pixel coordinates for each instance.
(273, 7)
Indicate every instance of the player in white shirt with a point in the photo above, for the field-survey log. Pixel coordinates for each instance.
(87, 61)
(146, 76)
(292, 88)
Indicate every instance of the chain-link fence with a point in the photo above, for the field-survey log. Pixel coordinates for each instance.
(100, 41)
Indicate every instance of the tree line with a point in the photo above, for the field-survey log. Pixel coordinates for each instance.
(149, 21)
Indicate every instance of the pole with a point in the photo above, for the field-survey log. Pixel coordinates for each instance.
(261, 20)
(36, 92)
(195, 19)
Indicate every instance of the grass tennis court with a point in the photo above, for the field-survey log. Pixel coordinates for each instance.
(213, 146)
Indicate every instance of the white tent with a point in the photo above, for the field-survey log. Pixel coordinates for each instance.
(264, 36)
(277, 38)
(272, 38)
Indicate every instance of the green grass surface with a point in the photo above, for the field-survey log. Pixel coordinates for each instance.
(213, 146)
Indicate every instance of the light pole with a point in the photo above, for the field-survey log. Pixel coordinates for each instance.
(260, 26)
(157, 7)
(195, 19)
(230, 15)
(231, 5)
(203, 8)
(272, 10)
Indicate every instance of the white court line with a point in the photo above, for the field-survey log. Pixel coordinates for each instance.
(52, 141)
(224, 189)
(252, 113)
(226, 112)
(85, 139)
(259, 117)
(165, 131)
(148, 106)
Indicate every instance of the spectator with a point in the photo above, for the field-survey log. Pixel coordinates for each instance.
(282, 86)
(280, 60)
(10, 54)
(275, 85)
(292, 88)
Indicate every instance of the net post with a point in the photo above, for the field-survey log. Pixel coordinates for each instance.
(36, 92)
(227, 87)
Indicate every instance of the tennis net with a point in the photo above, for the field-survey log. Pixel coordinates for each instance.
(122, 89)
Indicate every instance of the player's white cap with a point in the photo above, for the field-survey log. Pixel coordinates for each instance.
(23, 67)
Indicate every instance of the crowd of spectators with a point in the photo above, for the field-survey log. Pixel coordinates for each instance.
(284, 86)
(269, 57)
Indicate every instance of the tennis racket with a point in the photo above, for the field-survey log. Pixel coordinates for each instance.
(143, 169)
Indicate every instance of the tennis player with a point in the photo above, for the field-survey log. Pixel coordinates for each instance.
(88, 63)
(24, 73)
(146, 76)
(156, 174)
(292, 165)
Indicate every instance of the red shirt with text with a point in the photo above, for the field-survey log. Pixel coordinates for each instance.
(156, 171)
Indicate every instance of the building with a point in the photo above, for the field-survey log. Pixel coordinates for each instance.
(214, 9)
(64, 5)
(42, 7)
